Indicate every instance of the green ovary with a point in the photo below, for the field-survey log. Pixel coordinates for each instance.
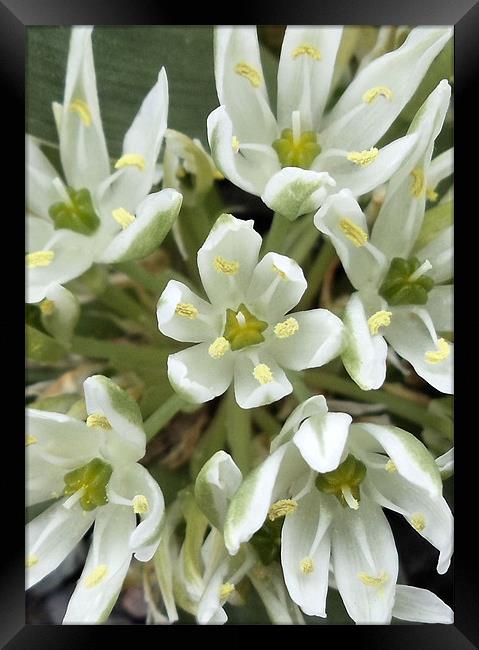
(297, 153)
(398, 288)
(77, 215)
(242, 328)
(93, 479)
(349, 475)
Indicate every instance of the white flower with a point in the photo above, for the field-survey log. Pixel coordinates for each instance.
(244, 333)
(294, 160)
(92, 469)
(402, 298)
(330, 481)
(74, 225)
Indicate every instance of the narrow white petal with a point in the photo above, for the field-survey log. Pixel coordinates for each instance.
(66, 312)
(440, 307)
(321, 440)
(439, 251)
(420, 606)
(251, 389)
(40, 192)
(216, 484)
(39, 231)
(314, 406)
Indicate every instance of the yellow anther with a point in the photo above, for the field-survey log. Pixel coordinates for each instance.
(31, 561)
(431, 194)
(390, 467)
(287, 328)
(131, 160)
(228, 267)
(81, 108)
(282, 508)
(219, 347)
(226, 590)
(248, 72)
(377, 91)
(96, 576)
(373, 581)
(379, 319)
(363, 158)
(353, 232)
(235, 144)
(306, 565)
(98, 420)
(281, 273)
(123, 217)
(418, 184)
(418, 522)
(442, 352)
(262, 373)
(140, 504)
(47, 307)
(187, 310)
(30, 440)
(217, 175)
(307, 50)
(39, 258)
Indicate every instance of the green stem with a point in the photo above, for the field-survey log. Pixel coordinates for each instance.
(126, 354)
(265, 421)
(397, 405)
(212, 440)
(316, 274)
(238, 433)
(163, 414)
(276, 237)
(300, 390)
(154, 284)
(121, 303)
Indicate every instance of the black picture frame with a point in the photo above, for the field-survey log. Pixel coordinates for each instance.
(15, 17)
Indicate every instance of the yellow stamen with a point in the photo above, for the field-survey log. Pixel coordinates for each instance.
(431, 194)
(418, 522)
(353, 232)
(235, 143)
(81, 108)
(390, 467)
(140, 504)
(47, 307)
(187, 310)
(282, 508)
(217, 175)
(281, 273)
(131, 160)
(219, 347)
(226, 590)
(363, 158)
(377, 91)
(418, 182)
(248, 72)
(373, 581)
(308, 50)
(379, 319)
(96, 576)
(31, 561)
(262, 373)
(39, 258)
(123, 217)
(287, 328)
(98, 420)
(306, 565)
(228, 267)
(30, 440)
(440, 354)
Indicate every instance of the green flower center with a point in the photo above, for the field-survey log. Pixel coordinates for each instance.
(267, 541)
(344, 481)
(405, 282)
(242, 328)
(297, 152)
(77, 215)
(92, 479)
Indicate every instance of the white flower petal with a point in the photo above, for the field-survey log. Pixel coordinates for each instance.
(197, 376)
(251, 391)
(439, 251)
(304, 80)
(227, 259)
(39, 231)
(51, 536)
(445, 462)
(365, 562)
(314, 406)
(318, 340)
(441, 167)
(293, 191)
(105, 568)
(440, 307)
(305, 550)
(209, 607)
(40, 192)
(321, 440)
(82, 142)
(66, 312)
(189, 325)
(216, 484)
(420, 606)
(269, 583)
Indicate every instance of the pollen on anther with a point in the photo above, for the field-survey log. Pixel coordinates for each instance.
(377, 91)
(373, 581)
(363, 158)
(390, 466)
(30, 440)
(228, 267)
(442, 352)
(306, 50)
(96, 576)
(262, 373)
(306, 565)
(418, 184)
(39, 258)
(123, 217)
(353, 232)
(418, 522)
(131, 160)
(186, 310)
(82, 110)
(31, 561)
(281, 273)
(235, 144)
(226, 590)
(287, 328)
(379, 319)
(282, 508)
(431, 194)
(219, 347)
(47, 307)
(140, 504)
(248, 72)
(98, 420)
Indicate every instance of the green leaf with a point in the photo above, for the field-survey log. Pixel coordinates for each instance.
(43, 348)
